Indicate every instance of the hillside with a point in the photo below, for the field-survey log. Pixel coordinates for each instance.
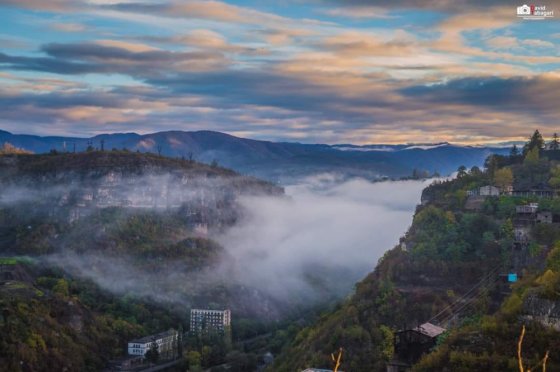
(117, 245)
(275, 161)
(51, 322)
(451, 269)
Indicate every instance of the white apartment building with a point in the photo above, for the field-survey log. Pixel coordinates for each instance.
(166, 341)
(208, 321)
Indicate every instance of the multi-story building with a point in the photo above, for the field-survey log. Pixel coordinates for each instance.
(209, 321)
(166, 343)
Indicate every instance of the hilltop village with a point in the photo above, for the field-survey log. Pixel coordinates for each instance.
(478, 269)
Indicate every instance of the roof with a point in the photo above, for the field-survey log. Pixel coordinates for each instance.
(151, 338)
(430, 329)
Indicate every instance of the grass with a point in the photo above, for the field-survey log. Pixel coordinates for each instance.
(16, 260)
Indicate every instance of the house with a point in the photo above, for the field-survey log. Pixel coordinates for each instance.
(541, 191)
(489, 191)
(166, 343)
(200, 229)
(210, 321)
(525, 215)
(411, 344)
(527, 209)
(484, 191)
(544, 217)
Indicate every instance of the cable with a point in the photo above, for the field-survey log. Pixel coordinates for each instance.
(464, 296)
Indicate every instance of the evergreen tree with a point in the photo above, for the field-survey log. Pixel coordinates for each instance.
(536, 141)
(554, 144)
(514, 151)
(152, 355)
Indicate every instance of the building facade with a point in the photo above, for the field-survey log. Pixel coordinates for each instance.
(166, 343)
(210, 321)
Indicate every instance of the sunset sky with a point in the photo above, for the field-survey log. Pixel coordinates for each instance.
(317, 71)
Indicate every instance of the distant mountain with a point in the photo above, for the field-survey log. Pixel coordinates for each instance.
(276, 161)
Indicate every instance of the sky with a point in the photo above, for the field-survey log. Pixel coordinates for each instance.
(313, 71)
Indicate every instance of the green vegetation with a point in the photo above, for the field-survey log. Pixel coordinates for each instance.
(457, 237)
(53, 318)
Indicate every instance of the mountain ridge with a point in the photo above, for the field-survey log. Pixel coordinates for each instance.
(275, 161)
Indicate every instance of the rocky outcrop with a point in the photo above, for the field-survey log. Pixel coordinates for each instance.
(542, 310)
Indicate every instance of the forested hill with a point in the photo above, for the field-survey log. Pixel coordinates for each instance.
(62, 167)
(116, 245)
(451, 269)
(277, 161)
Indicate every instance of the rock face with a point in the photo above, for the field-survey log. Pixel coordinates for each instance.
(79, 182)
(542, 310)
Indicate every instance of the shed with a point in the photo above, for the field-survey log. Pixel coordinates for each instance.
(411, 344)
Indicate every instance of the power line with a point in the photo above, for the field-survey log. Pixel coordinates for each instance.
(466, 295)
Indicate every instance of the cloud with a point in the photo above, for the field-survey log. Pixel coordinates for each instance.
(352, 43)
(68, 27)
(204, 39)
(50, 5)
(113, 57)
(510, 42)
(536, 94)
(326, 231)
(210, 10)
(445, 5)
(359, 12)
(503, 42)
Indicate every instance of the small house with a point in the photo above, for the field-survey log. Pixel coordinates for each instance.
(484, 191)
(489, 191)
(544, 217)
(527, 209)
(411, 344)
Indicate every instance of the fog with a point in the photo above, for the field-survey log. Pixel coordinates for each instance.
(311, 245)
(328, 231)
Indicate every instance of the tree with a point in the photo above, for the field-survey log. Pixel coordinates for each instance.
(535, 142)
(514, 152)
(152, 355)
(61, 288)
(159, 148)
(554, 144)
(507, 230)
(503, 178)
(475, 171)
(553, 258)
(194, 360)
(461, 171)
(491, 164)
(532, 157)
(554, 180)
